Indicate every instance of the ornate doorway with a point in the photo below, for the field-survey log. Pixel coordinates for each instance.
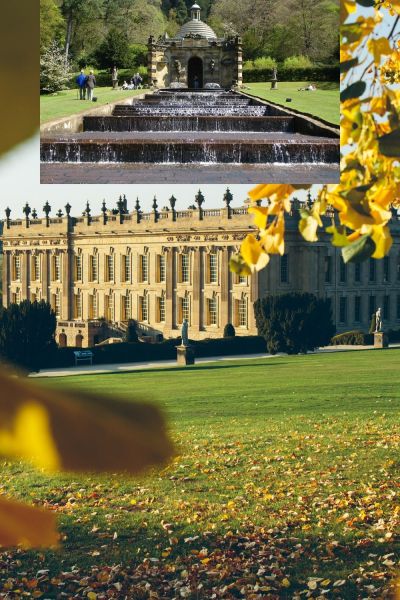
(195, 73)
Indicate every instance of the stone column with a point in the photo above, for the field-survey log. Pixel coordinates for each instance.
(25, 274)
(66, 285)
(6, 278)
(45, 269)
(239, 62)
(170, 285)
(225, 287)
(254, 293)
(196, 311)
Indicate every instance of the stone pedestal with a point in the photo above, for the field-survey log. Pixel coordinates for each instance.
(381, 340)
(184, 355)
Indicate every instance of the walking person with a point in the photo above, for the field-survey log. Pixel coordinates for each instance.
(90, 84)
(81, 81)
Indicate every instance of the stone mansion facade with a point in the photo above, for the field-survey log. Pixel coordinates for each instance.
(167, 265)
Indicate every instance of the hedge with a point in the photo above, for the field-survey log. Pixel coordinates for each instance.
(327, 73)
(140, 352)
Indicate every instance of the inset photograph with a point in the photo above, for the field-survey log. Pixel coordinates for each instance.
(177, 92)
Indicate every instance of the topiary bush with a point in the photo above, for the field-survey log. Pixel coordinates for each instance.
(294, 323)
(229, 331)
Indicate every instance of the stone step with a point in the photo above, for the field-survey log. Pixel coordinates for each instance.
(200, 123)
(194, 148)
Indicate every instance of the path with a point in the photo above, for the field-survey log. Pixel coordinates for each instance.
(139, 366)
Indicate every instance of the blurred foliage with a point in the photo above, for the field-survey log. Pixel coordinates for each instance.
(19, 71)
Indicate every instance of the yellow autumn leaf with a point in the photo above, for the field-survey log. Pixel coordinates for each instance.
(260, 216)
(339, 236)
(272, 191)
(25, 525)
(272, 239)
(308, 227)
(346, 7)
(382, 239)
(79, 432)
(251, 250)
(379, 48)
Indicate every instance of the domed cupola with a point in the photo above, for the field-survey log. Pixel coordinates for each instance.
(196, 27)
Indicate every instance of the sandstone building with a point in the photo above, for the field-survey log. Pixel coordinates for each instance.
(195, 57)
(161, 267)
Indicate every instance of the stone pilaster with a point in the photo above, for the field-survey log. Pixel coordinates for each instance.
(225, 287)
(25, 274)
(170, 293)
(196, 310)
(45, 269)
(66, 308)
(6, 278)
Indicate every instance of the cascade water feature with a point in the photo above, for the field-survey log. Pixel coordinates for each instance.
(186, 127)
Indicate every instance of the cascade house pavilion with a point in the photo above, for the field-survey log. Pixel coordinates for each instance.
(168, 265)
(195, 122)
(195, 54)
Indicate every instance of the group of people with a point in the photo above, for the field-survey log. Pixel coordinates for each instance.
(86, 84)
(310, 88)
(135, 83)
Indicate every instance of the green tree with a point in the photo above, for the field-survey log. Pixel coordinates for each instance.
(294, 323)
(77, 12)
(52, 24)
(114, 50)
(181, 12)
(54, 69)
(27, 334)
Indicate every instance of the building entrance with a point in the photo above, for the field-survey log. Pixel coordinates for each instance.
(195, 73)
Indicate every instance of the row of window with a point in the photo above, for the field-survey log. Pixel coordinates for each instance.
(344, 269)
(184, 268)
(184, 308)
(359, 308)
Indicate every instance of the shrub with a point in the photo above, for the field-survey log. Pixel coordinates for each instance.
(27, 334)
(54, 70)
(314, 74)
(294, 323)
(229, 331)
(264, 62)
(349, 338)
(297, 62)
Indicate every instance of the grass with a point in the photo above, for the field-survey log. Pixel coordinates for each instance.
(323, 103)
(285, 483)
(66, 103)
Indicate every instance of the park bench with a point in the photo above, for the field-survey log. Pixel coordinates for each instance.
(81, 355)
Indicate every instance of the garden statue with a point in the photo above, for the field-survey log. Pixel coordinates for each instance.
(114, 78)
(212, 65)
(184, 333)
(274, 80)
(378, 321)
(178, 69)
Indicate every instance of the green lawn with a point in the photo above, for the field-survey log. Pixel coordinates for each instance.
(287, 481)
(323, 103)
(67, 103)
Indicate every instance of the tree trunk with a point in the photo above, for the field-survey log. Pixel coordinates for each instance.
(69, 35)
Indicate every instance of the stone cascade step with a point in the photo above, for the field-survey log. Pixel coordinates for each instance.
(187, 111)
(188, 123)
(183, 149)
